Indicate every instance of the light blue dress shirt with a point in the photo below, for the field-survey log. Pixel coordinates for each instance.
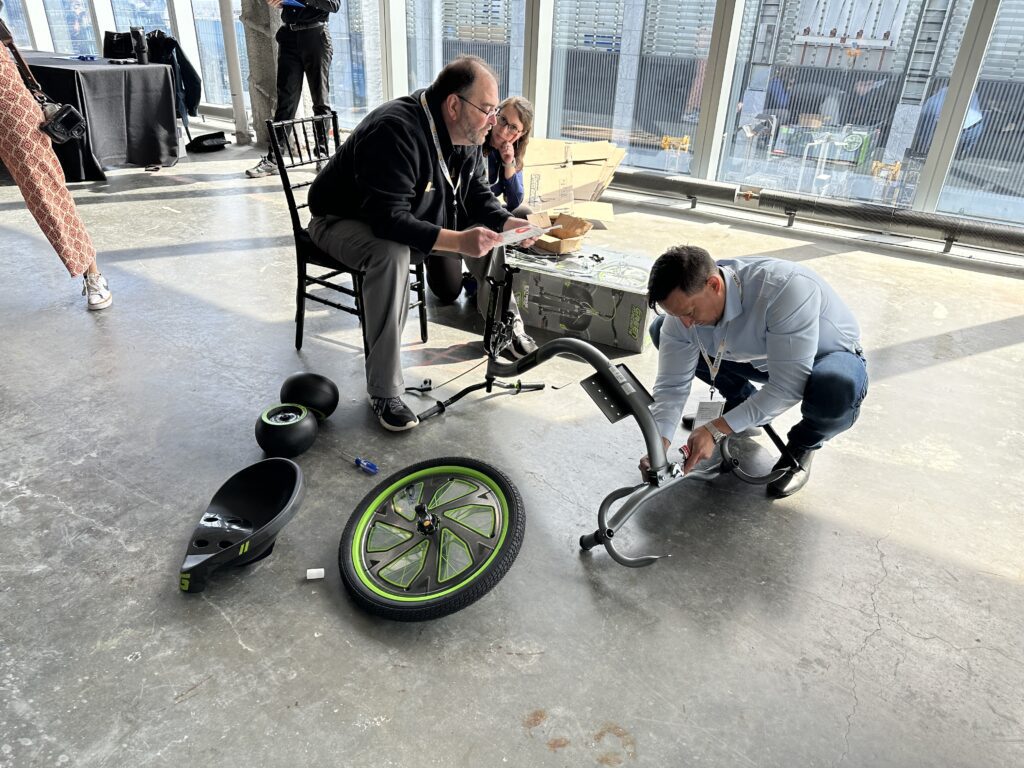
(779, 318)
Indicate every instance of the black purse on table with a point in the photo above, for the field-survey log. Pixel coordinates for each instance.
(61, 122)
(126, 45)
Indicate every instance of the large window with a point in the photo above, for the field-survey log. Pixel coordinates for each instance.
(212, 56)
(839, 98)
(357, 83)
(631, 71)
(987, 175)
(71, 26)
(13, 15)
(149, 14)
(585, 54)
(440, 30)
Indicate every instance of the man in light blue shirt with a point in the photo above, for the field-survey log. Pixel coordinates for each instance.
(762, 320)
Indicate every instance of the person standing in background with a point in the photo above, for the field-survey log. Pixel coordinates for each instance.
(303, 47)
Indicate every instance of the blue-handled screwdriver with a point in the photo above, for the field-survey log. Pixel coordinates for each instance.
(367, 466)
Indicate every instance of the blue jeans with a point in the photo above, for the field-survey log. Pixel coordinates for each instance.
(831, 404)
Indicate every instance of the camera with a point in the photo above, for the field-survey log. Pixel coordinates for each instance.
(62, 122)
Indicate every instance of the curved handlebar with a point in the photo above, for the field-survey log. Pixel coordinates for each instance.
(611, 377)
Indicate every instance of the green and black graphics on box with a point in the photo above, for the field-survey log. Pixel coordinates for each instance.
(599, 297)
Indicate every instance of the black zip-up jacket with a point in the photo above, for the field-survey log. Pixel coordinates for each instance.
(315, 10)
(387, 174)
(164, 49)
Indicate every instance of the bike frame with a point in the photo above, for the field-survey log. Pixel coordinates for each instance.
(660, 476)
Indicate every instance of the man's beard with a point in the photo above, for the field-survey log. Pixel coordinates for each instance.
(471, 134)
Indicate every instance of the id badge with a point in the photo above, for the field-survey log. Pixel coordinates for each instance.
(708, 410)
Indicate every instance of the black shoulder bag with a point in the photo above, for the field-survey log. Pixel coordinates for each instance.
(61, 122)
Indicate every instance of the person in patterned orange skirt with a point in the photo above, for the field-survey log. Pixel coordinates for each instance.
(29, 157)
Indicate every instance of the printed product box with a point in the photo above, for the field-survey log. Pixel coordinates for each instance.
(597, 296)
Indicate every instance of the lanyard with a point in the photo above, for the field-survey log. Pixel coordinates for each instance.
(437, 145)
(713, 367)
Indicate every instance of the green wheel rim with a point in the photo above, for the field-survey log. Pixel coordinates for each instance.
(396, 561)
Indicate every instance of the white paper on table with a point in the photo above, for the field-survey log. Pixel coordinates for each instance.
(525, 232)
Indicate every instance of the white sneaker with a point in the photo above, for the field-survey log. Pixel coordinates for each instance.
(267, 166)
(97, 292)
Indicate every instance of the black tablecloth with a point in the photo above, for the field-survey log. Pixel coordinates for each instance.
(129, 109)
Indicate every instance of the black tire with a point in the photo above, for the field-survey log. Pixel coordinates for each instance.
(485, 553)
(286, 430)
(317, 393)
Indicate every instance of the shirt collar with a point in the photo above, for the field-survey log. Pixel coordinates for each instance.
(733, 294)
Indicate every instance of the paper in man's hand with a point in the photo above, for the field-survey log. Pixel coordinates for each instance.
(526, 232)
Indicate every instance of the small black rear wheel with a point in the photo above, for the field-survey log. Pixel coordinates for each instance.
(432, 539)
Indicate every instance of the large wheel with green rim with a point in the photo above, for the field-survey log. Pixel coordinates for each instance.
(431, 539)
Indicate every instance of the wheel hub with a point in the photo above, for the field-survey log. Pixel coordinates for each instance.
(426, 522)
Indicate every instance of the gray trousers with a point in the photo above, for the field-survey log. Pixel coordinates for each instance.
(449, 267)
(385, 294)
(444, 274)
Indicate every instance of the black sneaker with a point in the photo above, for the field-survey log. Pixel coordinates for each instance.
(521, 346)
(393, 414)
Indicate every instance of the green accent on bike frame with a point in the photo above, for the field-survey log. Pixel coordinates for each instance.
(454, 556)
(403, 570)
(384, 537)
(303, 412)
(390, 491)
(451, 491)
(478, 518)
(404, 498)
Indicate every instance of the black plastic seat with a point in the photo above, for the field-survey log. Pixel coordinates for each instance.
(300, 141)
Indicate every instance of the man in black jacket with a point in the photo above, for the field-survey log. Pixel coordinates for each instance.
(303, 46)
(405, 183)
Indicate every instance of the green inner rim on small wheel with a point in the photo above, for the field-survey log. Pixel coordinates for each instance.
(374, 583)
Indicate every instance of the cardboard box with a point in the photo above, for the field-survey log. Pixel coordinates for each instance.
(590, 151)
(566, 238)
(548, 152)
(599, 301)
(548, 187)
(598, 214)
(586, 181)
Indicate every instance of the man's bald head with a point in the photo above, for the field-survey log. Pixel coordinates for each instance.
(468, 94)
(459, 75)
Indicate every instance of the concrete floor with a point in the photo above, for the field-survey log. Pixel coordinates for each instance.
(874, 619)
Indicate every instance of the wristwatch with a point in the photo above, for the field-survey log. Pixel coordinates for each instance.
(716, 434)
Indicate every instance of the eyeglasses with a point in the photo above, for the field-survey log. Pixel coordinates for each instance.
(504, 123)
(488, 112)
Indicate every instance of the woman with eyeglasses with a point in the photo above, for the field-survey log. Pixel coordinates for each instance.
(506, 151)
